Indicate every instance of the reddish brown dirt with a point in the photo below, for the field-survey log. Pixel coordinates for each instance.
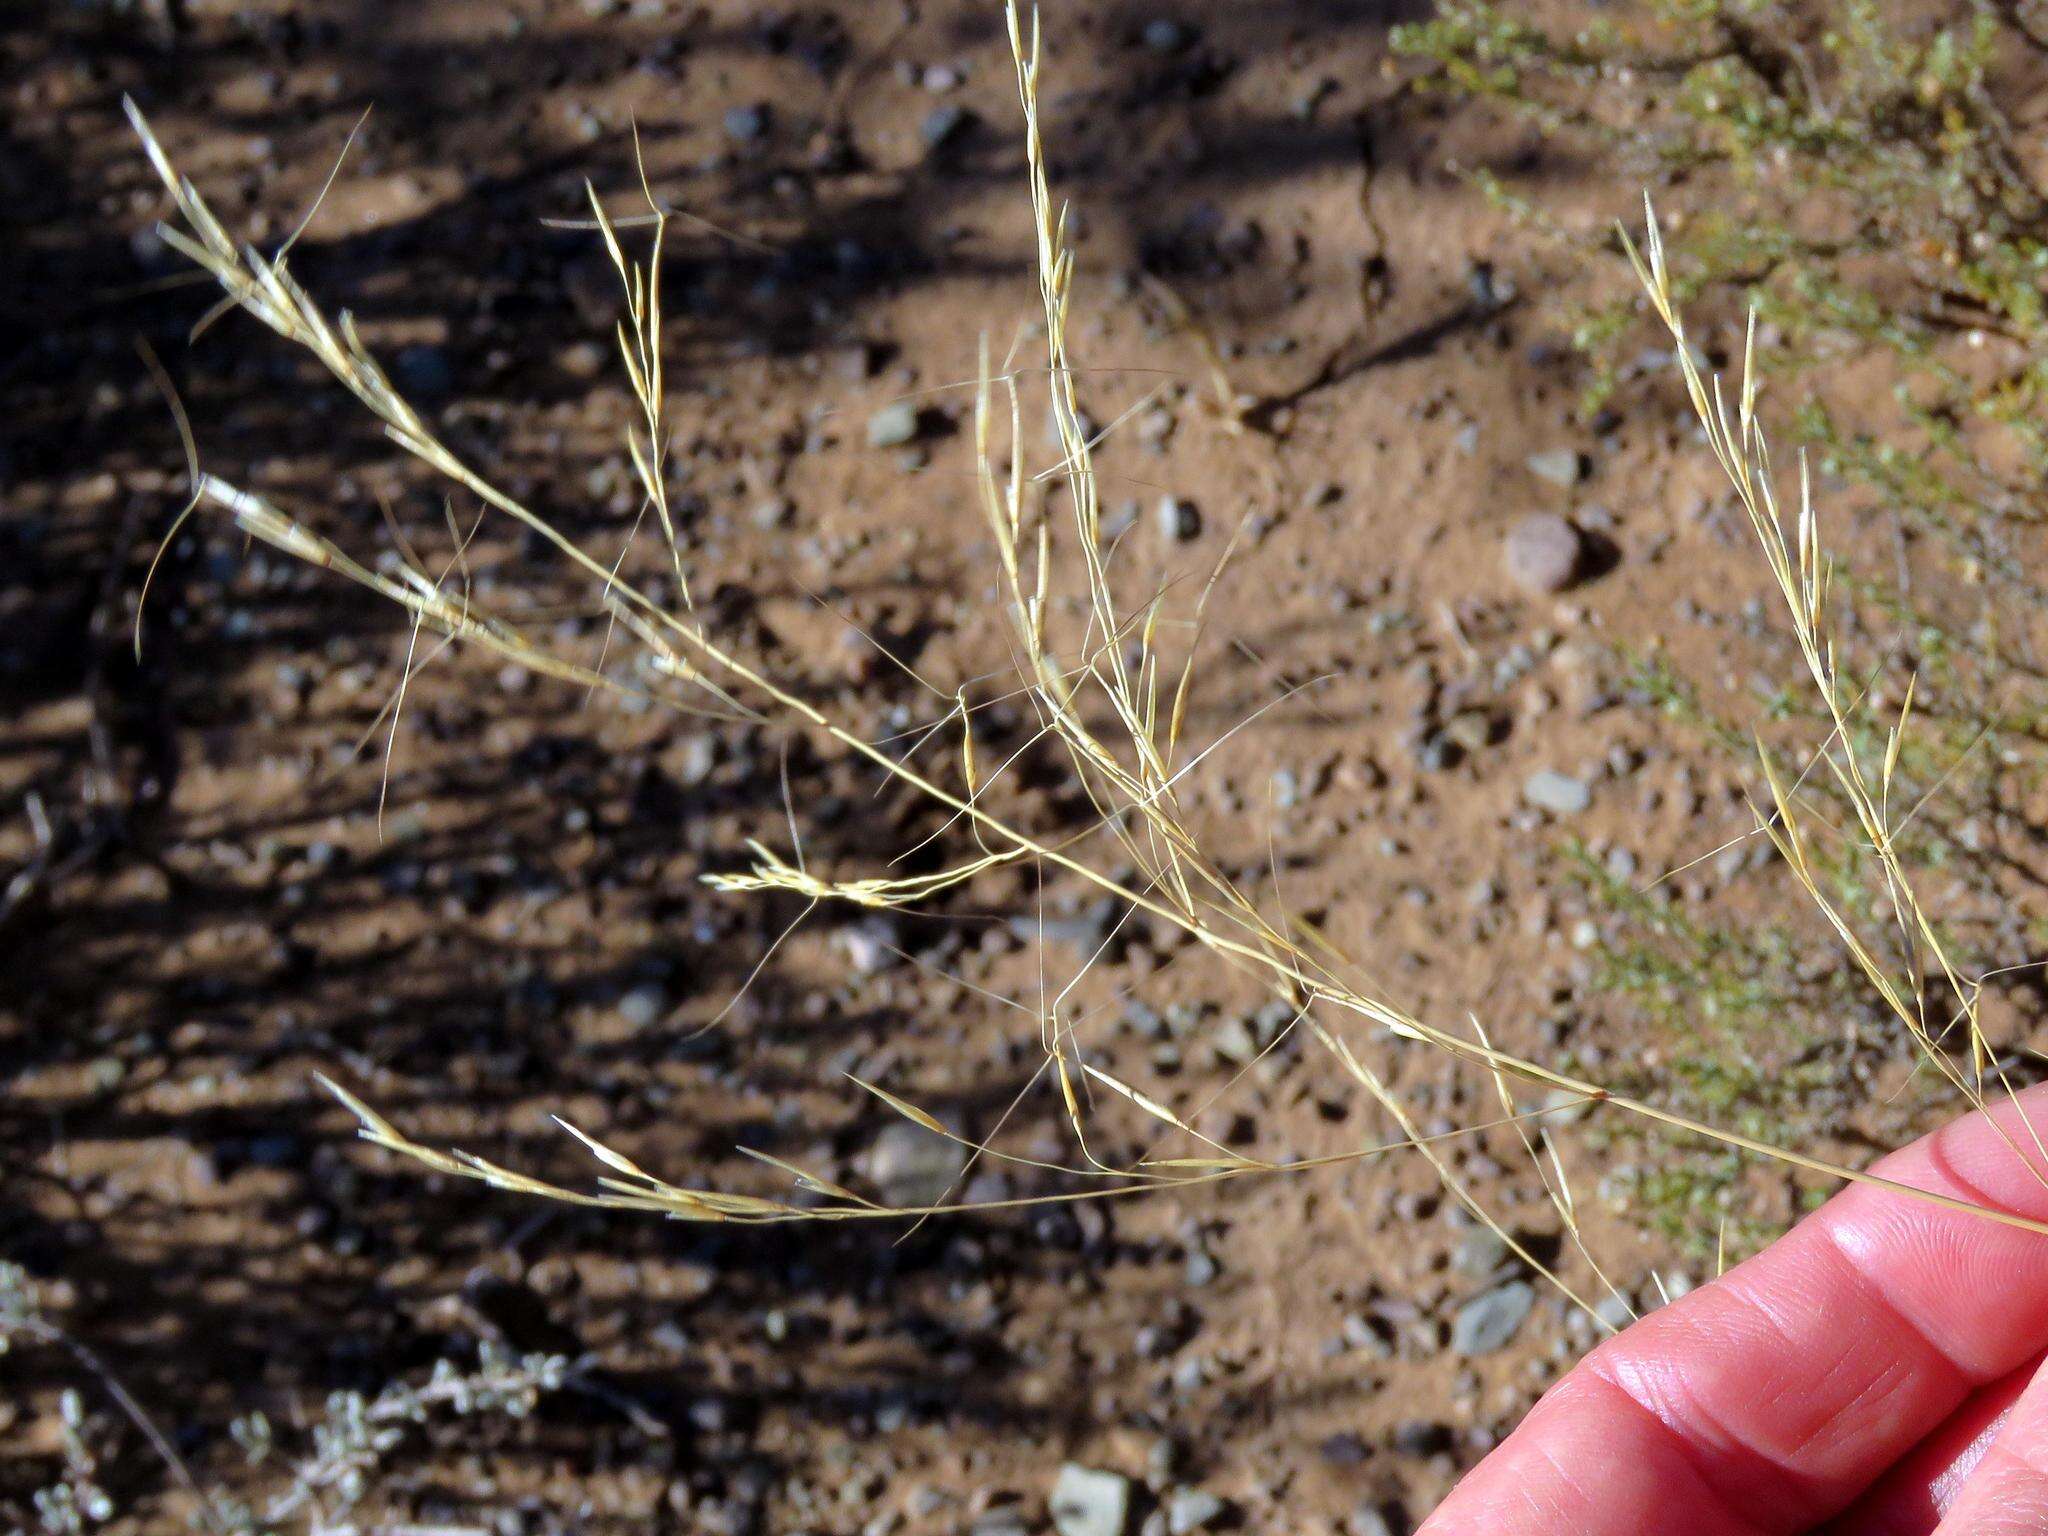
(219, 917)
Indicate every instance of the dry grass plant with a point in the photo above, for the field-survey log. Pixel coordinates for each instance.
(1113, 701)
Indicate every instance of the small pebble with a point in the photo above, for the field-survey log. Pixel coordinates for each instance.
(748, 123)
(1560, 466)
(893, 425)
(1614, 1311)
(1544, 553)
(1190, 1509)
(1469, 729)
(870, 945)
(1088, 1502)
(1233, 1042)
(913, 1167)
(1489, 1320)
(1437, 752)
(1179, 520)
(1344, 1449)
(1166, 35)
(1420, 1437)
(583, 360)
(696, 757)
(943, 125)
(1479, 1252)
(643, 1007)
(1558, 793)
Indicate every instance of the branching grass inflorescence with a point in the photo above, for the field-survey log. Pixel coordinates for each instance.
(1109, 698)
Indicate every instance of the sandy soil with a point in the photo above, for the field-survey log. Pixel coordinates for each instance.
(209, 910)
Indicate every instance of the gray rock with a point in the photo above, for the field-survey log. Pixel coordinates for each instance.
(1489, 1320)
(1179, 520)
(859, 360)
(871, 945)
(943, 125)
(1558, 793)
(583, 360)
(1421, 1437)
(1153, 1343)
(1560, 466)
(1469, 730)
(1614, 1311)
(1088, 1502)
(1190, 1509)
(1544, 553)
(1233, 1042)
(1367, 1520)
(748, 123)
(914, 1167)
(1271, 1018)
(990, 1188)
(1146, 1020)
(1167, 35)
(893, 425)
(1479, 1252)
(1083, 931)
(643, 1007)
(1436, 753)
(1344, 1449)
(696, 757)
(1360, 1333)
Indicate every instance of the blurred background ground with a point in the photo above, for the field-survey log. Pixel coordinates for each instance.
(205, 907)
